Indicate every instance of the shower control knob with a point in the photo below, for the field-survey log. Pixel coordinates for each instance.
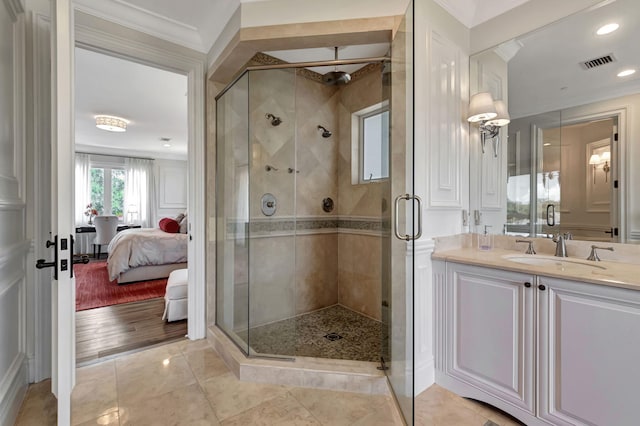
(269, 204)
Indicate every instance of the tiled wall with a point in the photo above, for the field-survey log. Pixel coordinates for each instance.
(302, 258)
(360, 255)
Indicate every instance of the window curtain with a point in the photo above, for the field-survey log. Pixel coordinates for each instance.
(83, 188)
(138, 191)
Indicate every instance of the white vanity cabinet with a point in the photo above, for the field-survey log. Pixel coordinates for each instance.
(490, 331)
(557, 352)
(589, 354)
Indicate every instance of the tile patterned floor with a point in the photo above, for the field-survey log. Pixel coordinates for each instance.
(186, 383)
(304, 336)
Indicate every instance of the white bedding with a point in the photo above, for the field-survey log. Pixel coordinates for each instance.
(146, 246)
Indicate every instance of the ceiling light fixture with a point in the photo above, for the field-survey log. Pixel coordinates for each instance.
(166, 143)
(626, 73)
(111, 124)
(607, 29)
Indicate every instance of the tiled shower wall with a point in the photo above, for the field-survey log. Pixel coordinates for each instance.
(302, 258)
(360, 253)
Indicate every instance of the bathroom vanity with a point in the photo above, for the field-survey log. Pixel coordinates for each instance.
(548, 340)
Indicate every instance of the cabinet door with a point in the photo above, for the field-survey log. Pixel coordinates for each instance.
(589, 351)
(490, 332)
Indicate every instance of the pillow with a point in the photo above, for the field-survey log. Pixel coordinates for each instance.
(184, 225)
(169, 225)
(179, 217)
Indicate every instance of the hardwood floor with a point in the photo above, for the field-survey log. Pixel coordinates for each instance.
(107, 331)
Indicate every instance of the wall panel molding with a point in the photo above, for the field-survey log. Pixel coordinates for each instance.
(172, 187)
(14, 9)
(423, 309)
(444, 133)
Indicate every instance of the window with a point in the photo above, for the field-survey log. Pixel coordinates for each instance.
(107, 190)
(371, 144)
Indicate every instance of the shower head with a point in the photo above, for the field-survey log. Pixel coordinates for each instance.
(336, 78)
(325, 133)
(275, 121)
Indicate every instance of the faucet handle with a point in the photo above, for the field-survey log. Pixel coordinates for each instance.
(594, 254)
(530, 249)
(568, 236)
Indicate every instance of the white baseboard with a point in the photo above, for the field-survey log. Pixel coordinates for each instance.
(425, 376)
(13, 388)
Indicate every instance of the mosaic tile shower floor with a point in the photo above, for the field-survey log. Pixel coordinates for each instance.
(313, 335)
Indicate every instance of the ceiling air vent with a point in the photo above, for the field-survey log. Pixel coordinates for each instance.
(597, 62)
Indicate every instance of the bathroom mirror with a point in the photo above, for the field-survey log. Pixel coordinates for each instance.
(568, 155)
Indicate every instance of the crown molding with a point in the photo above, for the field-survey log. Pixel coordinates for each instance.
(156, 155)
(144, 21)
(14, 8)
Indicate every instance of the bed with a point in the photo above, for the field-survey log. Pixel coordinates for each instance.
(145, 254)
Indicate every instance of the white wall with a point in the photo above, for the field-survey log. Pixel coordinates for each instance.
(170, 181)
(14, 245)
(441, 156)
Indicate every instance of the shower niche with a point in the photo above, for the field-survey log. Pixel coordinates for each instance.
(307, 279)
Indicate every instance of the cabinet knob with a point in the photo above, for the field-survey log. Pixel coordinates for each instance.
(527, 285)
(542, 287)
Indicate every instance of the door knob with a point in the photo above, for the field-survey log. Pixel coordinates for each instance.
(42, 263)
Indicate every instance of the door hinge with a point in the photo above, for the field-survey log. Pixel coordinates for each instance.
(615, 137)
(615, 184)
(615, 231)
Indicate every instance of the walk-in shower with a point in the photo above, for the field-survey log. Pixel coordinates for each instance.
(314, 228)
(302, 234)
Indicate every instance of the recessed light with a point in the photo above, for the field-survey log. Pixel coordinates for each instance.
(546, 144)
(626, 72)
(167, 145)
(607, 29)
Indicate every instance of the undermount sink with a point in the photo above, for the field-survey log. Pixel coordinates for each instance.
(538, 260)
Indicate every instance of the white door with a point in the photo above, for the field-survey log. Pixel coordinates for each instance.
(62, 167)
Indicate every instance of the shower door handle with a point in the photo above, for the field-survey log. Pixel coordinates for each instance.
(551, 215)
(396, 224)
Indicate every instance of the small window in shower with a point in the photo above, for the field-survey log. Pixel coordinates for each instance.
(372, 126)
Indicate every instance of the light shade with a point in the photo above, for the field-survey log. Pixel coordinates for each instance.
(111, 124)
(502, 119)
(595, 159)
(481, 107)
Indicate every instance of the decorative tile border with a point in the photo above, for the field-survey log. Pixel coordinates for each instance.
(310, 225)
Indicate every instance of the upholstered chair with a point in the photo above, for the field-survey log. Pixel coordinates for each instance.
(106, 229)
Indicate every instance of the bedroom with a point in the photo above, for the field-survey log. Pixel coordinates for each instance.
(128, 177)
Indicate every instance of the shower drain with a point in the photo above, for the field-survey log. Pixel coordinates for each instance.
(333, 336)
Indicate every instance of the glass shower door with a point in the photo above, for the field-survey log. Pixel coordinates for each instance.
(548, 147)
(272, 209)
(397, 260)
(232, 213)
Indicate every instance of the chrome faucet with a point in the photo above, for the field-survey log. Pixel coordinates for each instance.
(594, 254)
(561, 247)
(530, 249)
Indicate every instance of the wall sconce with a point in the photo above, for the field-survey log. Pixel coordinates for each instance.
(595, 160)
(490, 115)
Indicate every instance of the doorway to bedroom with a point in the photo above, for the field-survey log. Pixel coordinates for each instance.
(131, 196)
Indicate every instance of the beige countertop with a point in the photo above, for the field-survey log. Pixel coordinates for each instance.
(606, 272)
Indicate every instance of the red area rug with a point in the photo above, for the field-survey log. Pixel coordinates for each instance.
(94, 290)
